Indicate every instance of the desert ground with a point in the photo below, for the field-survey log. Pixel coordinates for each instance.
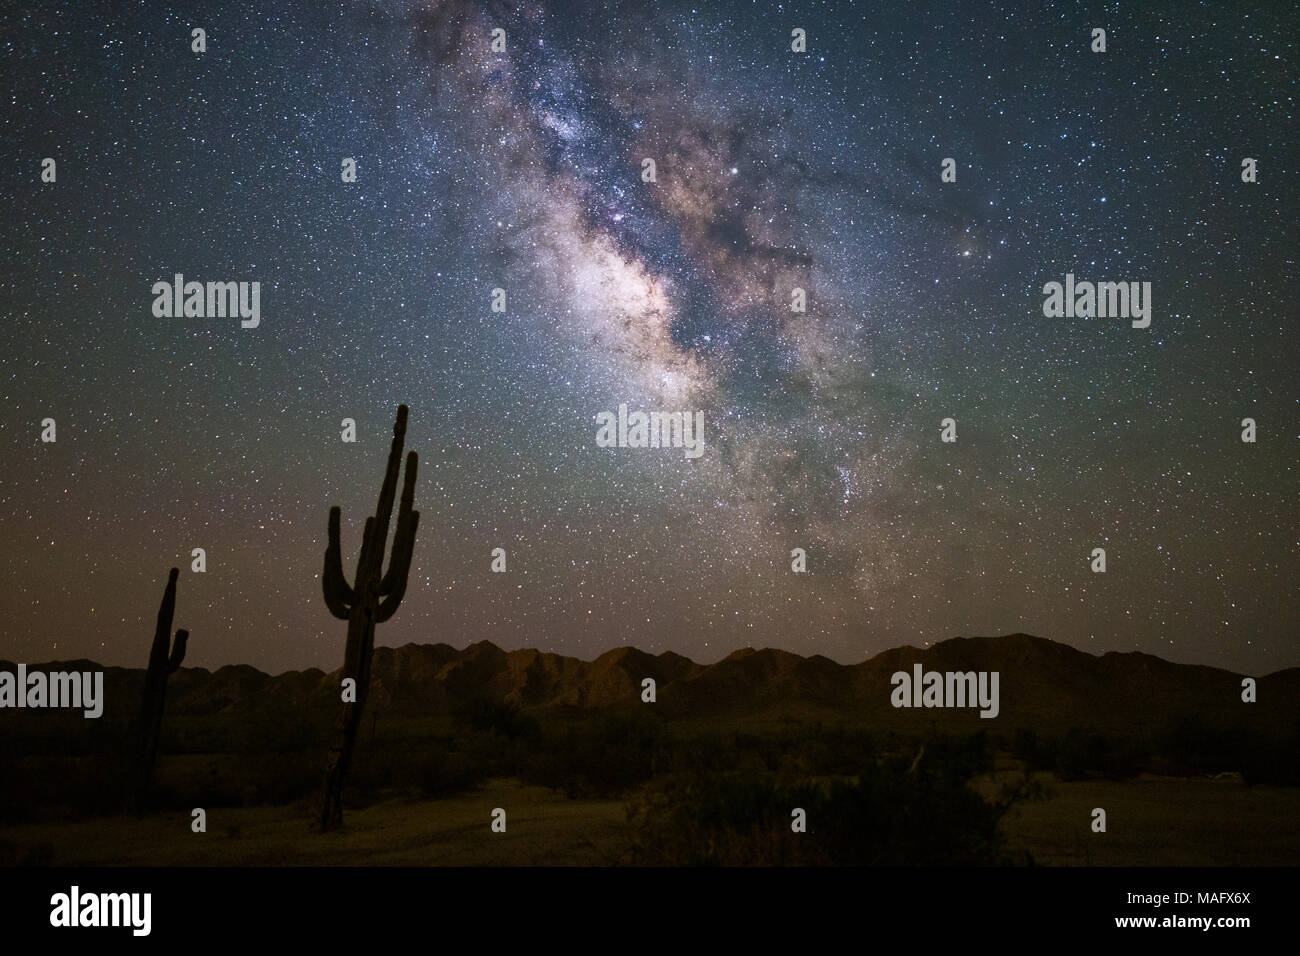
(1218, 823)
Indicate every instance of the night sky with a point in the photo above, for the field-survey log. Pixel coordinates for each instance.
(522, 171)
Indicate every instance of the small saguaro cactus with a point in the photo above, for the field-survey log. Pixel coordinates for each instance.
(372, 599)
(161, 663)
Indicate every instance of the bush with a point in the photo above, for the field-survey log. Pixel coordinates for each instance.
(895, 812)
(487, 716)
(602, 759)
(1080, 754)
(1272, 760)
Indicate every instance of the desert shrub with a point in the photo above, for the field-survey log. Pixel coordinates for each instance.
(41, 788)
(1038, 754)
(1079, 754)
(835, 751)
(603, 758)
(722, 819)
(1272, 760)
(443, 773)
(899, 811)
(957, 758)
(1201, 747)
(503, 719)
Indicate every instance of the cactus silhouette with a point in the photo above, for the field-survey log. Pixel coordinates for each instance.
(149, 727)
(372, 599)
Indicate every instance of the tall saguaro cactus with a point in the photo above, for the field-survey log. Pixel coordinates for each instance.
(372, 599)
(161, 664)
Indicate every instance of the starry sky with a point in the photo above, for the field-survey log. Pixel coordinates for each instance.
(522, 171)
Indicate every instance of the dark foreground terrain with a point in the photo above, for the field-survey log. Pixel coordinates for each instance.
(710, 772)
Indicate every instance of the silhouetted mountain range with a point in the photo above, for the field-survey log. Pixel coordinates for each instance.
(1044, 685)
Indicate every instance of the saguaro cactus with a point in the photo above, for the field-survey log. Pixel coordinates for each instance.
(373, 598)
(161, 663)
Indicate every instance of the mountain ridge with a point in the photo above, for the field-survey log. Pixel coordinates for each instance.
(1044, 684)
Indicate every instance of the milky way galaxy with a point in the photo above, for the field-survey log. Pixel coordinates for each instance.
(522, 170)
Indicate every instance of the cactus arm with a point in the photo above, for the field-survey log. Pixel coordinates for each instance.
(399, 565)
(384, 512)
(163, 632)
(178, 651)
(403, 520)
(338, 596)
